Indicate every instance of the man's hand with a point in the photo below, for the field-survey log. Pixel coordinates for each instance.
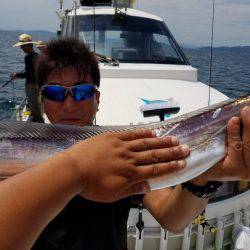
(236, 165)
(116, 165)
(13, 76)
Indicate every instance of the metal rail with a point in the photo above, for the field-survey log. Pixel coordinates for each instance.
(18, 109)
(199, 235)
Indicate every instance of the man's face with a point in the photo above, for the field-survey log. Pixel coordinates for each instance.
(25, 48)
(70, 111)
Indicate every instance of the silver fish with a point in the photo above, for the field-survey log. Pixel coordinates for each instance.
(204, 131)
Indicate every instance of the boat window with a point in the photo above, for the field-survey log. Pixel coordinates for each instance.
(70, 27)
(130, 39)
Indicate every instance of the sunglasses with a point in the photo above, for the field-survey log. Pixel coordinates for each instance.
(59, 93)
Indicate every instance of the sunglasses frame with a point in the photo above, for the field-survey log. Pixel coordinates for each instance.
(68, 90)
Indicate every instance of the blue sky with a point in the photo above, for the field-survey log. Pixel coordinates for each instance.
(189, 20)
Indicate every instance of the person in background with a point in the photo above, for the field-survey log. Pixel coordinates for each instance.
(31, 87)
(41, 46)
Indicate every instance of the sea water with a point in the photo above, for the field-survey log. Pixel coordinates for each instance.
(230, 74)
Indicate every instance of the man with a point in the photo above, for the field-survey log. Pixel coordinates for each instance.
(31, 87)
(41, 46)
(70, 77)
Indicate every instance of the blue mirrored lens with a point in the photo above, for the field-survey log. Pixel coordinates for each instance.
(54, 93)
(83, 92)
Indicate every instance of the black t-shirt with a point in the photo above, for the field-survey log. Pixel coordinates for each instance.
(29, 72)
(85, 224)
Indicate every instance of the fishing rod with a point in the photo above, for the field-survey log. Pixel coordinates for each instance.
(13, 93)
(6, 83)
(94, 22)
(211, 57)
(75, 20)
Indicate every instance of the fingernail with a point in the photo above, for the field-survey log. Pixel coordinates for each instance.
(235, 120)
(185, 149)
(235, 126)
(181, 163)
(153, 133)
(175, 141)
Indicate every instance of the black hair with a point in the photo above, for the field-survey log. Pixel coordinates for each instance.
(67, 53)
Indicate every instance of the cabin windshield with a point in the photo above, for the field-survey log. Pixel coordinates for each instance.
(130, 39)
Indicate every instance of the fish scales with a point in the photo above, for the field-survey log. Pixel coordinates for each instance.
(203, 130)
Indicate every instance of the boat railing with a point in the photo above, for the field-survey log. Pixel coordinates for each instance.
(17, 114)
(18, 108)
(197, 237)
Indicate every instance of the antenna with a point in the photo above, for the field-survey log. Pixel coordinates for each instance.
(61, 14)
(75, 19)
(211, 57)
(61, 4)
(94, 22)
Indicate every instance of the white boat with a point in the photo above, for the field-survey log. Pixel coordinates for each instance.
(149, 67)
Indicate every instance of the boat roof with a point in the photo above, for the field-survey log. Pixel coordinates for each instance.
(111, 11)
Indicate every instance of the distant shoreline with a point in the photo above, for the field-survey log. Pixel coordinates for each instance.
(48, 34)
(28, 31)
(221, 48)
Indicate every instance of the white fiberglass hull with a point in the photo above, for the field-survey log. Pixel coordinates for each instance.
(223, 215)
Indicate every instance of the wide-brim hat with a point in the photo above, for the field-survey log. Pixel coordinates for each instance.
(40, 44)
(23, 40)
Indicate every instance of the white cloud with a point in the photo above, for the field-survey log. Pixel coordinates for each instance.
(30, 14)
(186, 18)
(192, 18)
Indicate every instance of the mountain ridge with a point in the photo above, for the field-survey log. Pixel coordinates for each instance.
(46, 35)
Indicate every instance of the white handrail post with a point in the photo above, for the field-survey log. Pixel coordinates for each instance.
(186, 238)
(219, 234)
(200, 238)
(163, 239)
(247, 216)
(139, 239)
(237, 219)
